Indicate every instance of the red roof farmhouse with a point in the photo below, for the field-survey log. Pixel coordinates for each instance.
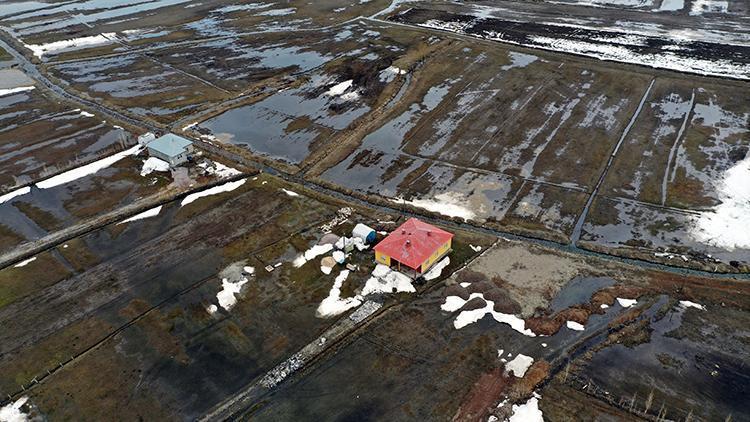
(415, 244)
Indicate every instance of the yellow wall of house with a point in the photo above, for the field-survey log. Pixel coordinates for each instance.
(382, 259)
(442, 250)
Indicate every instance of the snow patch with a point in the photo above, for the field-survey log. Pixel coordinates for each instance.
(626, 303)
(726, 225)
(311, 253)
(700, 7)
(8, 91)
(153, 164)
(12, 412)
(574, 326)
(333, 304)
(388, 282)
(278, 12)
(527, 412)
(226, 296)
(289, 192)
(40, 50)
(519, 365)
(87, 169)
(12, 194)
(226, 187)
(340, 88)
(25, 262)
(688, 304)
(437, 269)
(217, 169)
(447, 203)
(454, 303)
(153, 212)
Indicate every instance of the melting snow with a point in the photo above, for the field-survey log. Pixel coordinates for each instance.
(12, 412)
(12, 194)
(226, 187)
(384, 281)
(626, 303)
(278, 12)
(726, 225)
(340, 88)
(153, 164)
(333, 304)
(226, 296)
(218, 169)
(519, 365)
(311, 253)
(454, 303)
(574, 326)
(388, 74)
(40, 50)
(153, 212)
(671, 5)
(87, 169)
(25, 262)
(700, 7)
(689, 304)
(437, 269)
(8, 91)
(447, 203)
(527, 412)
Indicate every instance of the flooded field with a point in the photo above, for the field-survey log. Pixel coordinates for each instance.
(40, 136)
(478, 145)
(671, 189)
(140, 86)
(78, 29)
(91, 190)
(193, 299)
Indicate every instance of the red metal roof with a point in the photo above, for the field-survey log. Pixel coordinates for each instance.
(413, 242)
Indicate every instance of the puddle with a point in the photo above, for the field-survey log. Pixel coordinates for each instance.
(578, 291)
(683, 374)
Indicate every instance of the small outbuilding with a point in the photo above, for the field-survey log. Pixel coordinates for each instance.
(415, 244)
(171, 148)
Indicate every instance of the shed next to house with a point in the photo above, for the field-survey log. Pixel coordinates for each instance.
(171, 148)
(415, 244)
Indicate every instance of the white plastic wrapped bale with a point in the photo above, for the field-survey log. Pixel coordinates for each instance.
(361, 231)
(146, 138)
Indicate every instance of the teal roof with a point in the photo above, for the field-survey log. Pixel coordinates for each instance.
(170, 144)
